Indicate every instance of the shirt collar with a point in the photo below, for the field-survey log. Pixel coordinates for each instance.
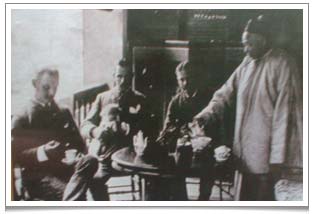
(263, 56)
(120, 93)
(49, 104)
(190, 96)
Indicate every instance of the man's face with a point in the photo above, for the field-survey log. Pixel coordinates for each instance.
(122, 79)
(46, 87)
(185, 81)
(254, 44)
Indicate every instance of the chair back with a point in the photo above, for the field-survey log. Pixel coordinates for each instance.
(83, 100)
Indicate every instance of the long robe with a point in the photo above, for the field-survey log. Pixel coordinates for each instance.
(268, 126)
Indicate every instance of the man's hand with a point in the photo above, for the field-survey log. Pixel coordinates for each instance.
(51, 146)
(94, 148)
(201, 144)
(117, 127)
(199, 121)
(111, 127)
(98, 132)
(73, 161)
(197, 128)
(53, 149)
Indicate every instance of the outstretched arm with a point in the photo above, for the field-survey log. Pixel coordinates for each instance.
(222, 97)
(171, 127)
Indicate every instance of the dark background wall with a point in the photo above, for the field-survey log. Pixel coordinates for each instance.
(214, 36)
(211, 38)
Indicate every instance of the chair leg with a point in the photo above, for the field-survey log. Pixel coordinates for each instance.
(220, 192)
(133, 187)
(140, 187)
(237, 185)
(143, 189)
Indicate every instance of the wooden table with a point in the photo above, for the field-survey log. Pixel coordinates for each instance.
(126, 160)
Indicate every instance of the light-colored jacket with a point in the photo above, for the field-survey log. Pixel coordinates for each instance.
(268, 127)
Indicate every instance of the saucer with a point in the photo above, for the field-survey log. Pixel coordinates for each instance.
(68, 162)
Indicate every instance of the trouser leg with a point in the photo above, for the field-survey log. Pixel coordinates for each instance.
(257, 187)
(205, 188)
(207, 177)
(98, 187)
(99, 190)
(165, 189)
(79, 182)
(155, 189)
(178, 190)
(49, 188)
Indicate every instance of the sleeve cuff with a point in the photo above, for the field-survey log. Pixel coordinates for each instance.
(41, 155)
(86, 130)
(90, 132)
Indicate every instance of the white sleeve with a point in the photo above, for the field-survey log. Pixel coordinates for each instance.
(221, 98)
(41, 155)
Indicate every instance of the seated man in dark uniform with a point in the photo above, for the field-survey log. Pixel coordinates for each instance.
(41, 134)
(188, 101)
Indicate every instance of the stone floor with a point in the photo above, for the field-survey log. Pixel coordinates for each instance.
(119, 189)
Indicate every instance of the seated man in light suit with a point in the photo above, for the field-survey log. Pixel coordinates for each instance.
(41, 134)
(131, 111)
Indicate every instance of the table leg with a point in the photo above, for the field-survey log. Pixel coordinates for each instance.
(237, 185)
(220, 193)
(140, 186)
(143, 189)
(133, 186)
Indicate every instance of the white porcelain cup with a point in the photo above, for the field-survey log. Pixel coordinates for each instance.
(70, 154)
(222, 153)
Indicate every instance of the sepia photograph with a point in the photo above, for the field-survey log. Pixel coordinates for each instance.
(174, 105)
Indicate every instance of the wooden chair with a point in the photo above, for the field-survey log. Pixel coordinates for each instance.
(229, 184)
(82, 103)
(228, 180)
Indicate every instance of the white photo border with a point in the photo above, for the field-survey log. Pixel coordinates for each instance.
(10, 6)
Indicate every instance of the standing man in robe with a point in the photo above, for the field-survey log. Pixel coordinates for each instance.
(268, 128)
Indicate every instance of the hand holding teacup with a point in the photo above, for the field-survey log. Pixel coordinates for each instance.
(71, 156)
(196, 128)
(201, 143)
(222, 153)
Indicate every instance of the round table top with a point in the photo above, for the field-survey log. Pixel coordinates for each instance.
(126, 159)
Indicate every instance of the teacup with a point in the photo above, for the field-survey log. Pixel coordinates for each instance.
(222, 153)
(70, 154)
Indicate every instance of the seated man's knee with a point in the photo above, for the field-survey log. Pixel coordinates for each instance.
(87, 165)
